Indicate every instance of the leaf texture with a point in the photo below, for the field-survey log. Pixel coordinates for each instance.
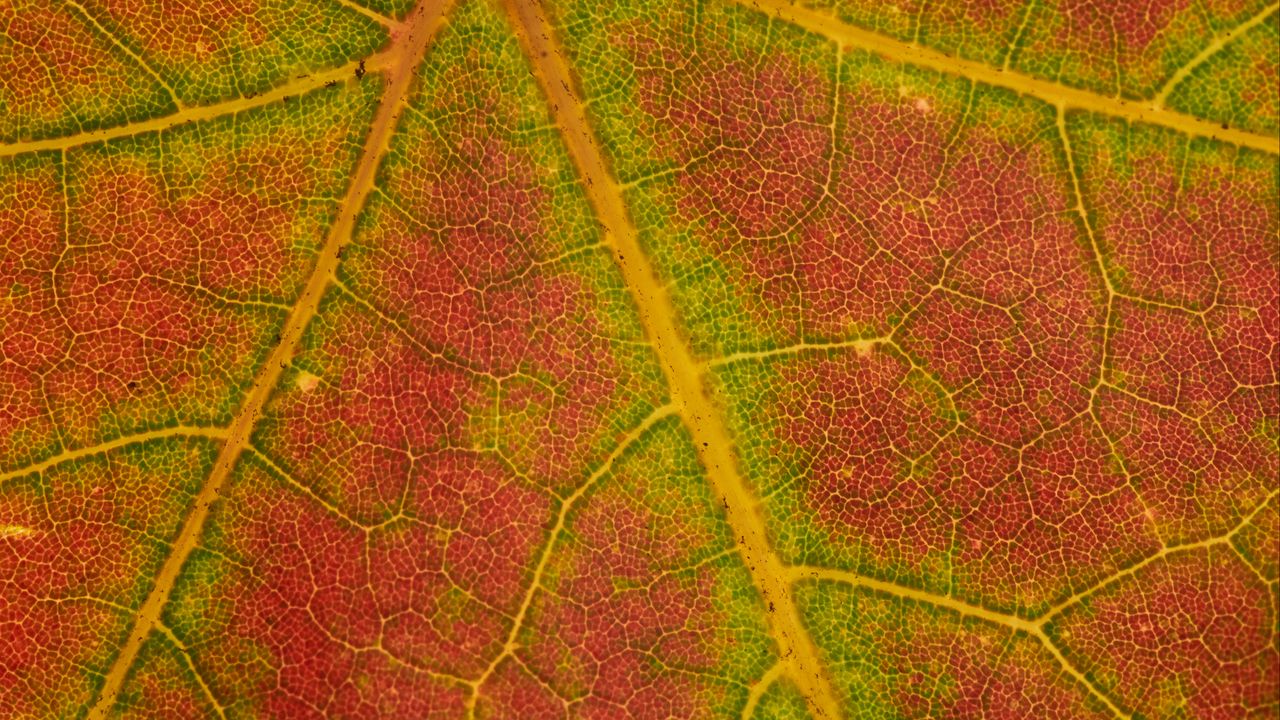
(639, 359)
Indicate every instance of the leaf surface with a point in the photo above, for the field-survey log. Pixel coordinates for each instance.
(639, 359)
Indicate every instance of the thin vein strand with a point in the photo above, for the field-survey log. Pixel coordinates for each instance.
(1137, 111)
(544, 558)
(401, 61)
(216, 433)
(1210, 50)
(1034, 629)
(296, 86)
(136, 58)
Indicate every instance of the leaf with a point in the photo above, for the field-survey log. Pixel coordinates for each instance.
(639, 359)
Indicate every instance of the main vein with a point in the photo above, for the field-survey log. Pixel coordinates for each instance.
(1152, 112)
(401, 60)
(700, 416)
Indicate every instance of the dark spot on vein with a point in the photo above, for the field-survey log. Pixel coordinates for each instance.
(331, 83)
(360, 71)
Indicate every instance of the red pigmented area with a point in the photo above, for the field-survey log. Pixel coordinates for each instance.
(606, 648)
(868, 427)
(32, 333)
(1199, 239)
(59, 75)
(1130, 49)
(1197, 476)
(1189, 633)
(207, 52)
(467, 246)
(897, 487)
(364, 408)
(1131, 27)
(634, 591)
(535, 334)
(1192, 354)
(1063, 520)
(1012, 324)
(78, 545)
(753, 137)
(230, 227)
(911, 660)
(1168, 357)
(175, 30)
(143, 276)
(301, 618)
(1188, 239)
(513, 691)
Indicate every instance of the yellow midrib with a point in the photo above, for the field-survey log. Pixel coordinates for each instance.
(401, 60)
(683, 373)
(1055, 93)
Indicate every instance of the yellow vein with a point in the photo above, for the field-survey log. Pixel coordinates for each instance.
(1033, 629)
(1033, 626)
(1052, 92)
(1017, 35)
(185, 652)
(1112, 293)
(683, 373)
(216, 433)
(1209, 51)
(373, 15)
(861, 346)
(760, 687)
(797, 573)
(1223, 538)
(402, 60)
(109, 37)
(566, 506)
(299, 487)
(296, 86)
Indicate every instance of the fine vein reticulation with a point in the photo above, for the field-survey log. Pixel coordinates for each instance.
(767, 359)
(702, 419)
(401, 60)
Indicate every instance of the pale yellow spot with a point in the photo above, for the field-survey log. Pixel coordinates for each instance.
(923, 105)
(307, 382)
(863, 347)
(7, 531)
